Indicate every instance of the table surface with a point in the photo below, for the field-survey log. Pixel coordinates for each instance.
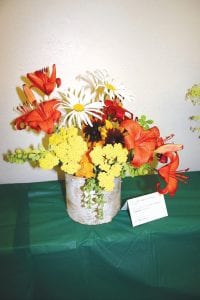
(46, 255)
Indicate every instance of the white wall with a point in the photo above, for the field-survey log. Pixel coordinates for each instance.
(153, 46)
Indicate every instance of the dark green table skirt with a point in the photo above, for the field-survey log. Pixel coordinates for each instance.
(45, 255)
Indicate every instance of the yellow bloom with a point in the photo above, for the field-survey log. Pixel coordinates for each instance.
(105, 167)
(97, 155)
(70, 168)
(115, 170)
(68, 147)
(121, 153)
(71, 131)
(48, 161)
(108, 156)
(61, 151)
(108, 151)
(109, 124)
(63, 135)
(106, 181)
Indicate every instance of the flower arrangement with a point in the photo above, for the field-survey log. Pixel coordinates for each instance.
(92, 135)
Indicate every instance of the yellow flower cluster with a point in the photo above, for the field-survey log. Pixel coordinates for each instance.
(48, 161)
(65, 147)
(109, 159)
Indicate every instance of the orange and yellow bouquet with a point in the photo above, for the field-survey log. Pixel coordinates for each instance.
(91, 134)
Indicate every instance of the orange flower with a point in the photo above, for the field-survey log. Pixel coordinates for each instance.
(169, 148)
(113, 110)
(42, 117)
(86, 169)
(143, 142)
(41, 80)
(170, 175)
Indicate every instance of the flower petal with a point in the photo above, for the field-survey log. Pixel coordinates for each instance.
(168, 148)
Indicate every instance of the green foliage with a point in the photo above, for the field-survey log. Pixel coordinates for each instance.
(144, 122)
(129, 170)
(93, 197)
(193, 95)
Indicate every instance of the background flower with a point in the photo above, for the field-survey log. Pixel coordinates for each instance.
(105, 87)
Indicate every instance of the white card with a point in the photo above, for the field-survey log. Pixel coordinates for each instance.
(147, 208)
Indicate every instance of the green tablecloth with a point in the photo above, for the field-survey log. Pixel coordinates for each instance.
(45, 255)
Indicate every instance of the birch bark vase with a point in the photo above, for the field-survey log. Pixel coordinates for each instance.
(84, 215)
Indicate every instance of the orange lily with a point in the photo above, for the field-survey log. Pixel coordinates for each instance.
(143, 142)
(41, 80)
(42, 117)
(170, 175)
(160, 151)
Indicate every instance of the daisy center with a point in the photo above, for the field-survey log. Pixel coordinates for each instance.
(110, 87)
(78, 107)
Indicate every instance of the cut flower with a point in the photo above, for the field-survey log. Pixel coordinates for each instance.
(36, 115)
(109, 160)
(142, 142)
(104, 86)
(77, 107)
(41, 80)
(170, 174)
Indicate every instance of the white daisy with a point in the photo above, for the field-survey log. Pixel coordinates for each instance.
(104, 86)
(77, 106)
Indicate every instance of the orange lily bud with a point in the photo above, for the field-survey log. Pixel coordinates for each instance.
(169, 148)
(29, 94)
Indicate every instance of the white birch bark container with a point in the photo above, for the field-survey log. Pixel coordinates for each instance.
(84, 215)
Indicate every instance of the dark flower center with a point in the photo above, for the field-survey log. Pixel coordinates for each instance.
(114, 136)
(92, 133)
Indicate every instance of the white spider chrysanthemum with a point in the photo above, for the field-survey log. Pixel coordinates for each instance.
(100, 83)
(77, 106)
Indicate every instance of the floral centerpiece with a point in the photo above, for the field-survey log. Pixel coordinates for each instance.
(91, 135)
